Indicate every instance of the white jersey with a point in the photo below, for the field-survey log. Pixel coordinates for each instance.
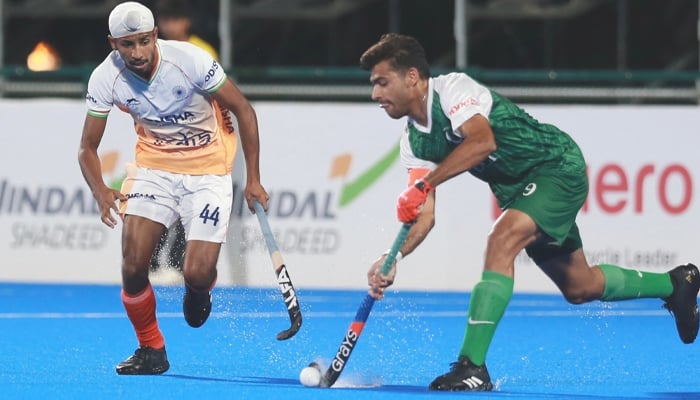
(180, 127)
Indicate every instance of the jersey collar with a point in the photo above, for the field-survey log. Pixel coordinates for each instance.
(429, 110)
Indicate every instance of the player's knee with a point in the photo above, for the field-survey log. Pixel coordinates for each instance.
(501, 248)
(200, 277)
(133, 269)
(498, 236)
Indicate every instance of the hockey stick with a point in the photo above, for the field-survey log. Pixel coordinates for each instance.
(283, 281)
(355, 329)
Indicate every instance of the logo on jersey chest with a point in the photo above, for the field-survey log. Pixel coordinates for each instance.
(171, 119)
(135, 105)
(147, 112)
(132, 103)
(180, 93)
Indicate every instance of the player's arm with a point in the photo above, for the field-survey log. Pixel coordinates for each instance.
(93, 130)
(478, 143)
(231, 97)
(425, 221)
(423, 224)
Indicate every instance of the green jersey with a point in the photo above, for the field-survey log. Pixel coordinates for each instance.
(524, 145)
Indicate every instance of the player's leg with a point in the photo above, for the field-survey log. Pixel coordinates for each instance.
(206, 210)
(139, 238)
(170, 248)
(569, 271)
(510, 234)
(564, 261)
(177, 245)
(199, 271)
(542, 203)
(581, 283)
(145, 219)
(554, 205)
(155, 263)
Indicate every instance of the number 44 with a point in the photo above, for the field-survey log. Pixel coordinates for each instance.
(208, 215)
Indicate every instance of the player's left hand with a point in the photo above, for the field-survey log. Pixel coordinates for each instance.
(411, 200)
(378, 282)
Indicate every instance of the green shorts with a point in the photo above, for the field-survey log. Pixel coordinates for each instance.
(552, 197)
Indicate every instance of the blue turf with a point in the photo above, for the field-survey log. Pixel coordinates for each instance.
(63, 341)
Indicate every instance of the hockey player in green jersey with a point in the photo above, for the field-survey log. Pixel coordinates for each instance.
(538, 175)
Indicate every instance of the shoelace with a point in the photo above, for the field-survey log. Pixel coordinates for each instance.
(142, 353)
(456, 364)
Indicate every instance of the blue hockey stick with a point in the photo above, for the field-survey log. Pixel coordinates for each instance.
(353, 333)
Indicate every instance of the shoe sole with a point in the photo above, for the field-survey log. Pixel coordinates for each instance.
(156, 371)
(483, 388)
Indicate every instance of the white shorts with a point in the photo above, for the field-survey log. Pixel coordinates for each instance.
(202, 202)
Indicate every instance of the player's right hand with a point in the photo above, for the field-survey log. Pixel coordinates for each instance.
(255, 191)
(411, 200)
(107, 202)
(378, 282)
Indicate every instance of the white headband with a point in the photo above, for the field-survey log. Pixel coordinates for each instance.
(130, 18)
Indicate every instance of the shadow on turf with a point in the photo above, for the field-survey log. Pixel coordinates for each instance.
(257, 380)
(242, 379)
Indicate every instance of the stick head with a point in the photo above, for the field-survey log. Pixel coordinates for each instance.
(324, 383)
(295, 317)
(288, 333)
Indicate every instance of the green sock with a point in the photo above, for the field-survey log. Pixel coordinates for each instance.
(624, 284)
(488, 303)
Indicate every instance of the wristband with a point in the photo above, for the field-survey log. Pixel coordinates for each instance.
(399, 255)
(423, 185)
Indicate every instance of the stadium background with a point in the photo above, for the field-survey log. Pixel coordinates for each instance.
(619, 75)
(642, 44)
(566, 61)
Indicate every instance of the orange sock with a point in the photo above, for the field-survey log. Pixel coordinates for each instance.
(141, 310)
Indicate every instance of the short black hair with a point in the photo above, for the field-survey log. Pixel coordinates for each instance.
(402, 51)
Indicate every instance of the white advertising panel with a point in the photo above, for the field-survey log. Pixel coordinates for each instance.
(50, 228)
(333, 175)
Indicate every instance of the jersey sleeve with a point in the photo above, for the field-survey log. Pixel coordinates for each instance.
(207, 72)
(461, 98)
(99, 99)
